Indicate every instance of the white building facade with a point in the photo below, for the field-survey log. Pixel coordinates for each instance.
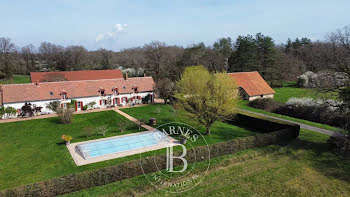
(79, 94)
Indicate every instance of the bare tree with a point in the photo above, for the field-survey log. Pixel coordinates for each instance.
(28, 55)
(165, 89)
(7, 58)
(155, 52)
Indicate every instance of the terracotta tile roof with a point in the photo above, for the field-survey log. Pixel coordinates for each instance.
(0, 94)
(75, 75)
(252, 83)
(30, 92)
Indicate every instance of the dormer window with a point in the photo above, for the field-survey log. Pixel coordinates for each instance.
(102, 91)
(115, 90)
(135, 89)
(64, 95)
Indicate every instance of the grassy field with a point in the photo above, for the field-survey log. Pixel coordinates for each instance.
(290, 90)
(220, 131)
(304, 167)
(17, 79)
(31, 150)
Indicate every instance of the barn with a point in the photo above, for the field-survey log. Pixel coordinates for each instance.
(252, 86)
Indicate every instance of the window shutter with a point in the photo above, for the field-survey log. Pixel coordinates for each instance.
(118, 100)
(100, 102)
(81, 105)
(61, 106)
(76, 106)
(126, 99)
(113, 101)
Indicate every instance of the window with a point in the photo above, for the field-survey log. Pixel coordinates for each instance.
(64, 96)
(79, 105)
(102, 92)
(116, 91)
(64, 105)
(51, 93)
(262, 96)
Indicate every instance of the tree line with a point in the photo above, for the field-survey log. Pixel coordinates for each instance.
(275, 62)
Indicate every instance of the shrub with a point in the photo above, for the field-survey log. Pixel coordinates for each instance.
(322, 111)
(340, 142)
(53, 106)
(85, 107)
(87, 179)
(66, 138)
(7, 112)
(266, 104)
(122, 125)
(26, 110)
(65, 115)
(322, 80)
(88, 131)
(91, 105)
(102, 130)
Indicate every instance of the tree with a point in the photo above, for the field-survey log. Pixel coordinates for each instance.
(245, 56)
(28, 55)
(155, 52)
(65, 115)
(224, 46)
(206, 96)
(7, 57)
(165, 89)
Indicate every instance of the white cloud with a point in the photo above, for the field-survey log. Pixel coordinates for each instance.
(117, 29)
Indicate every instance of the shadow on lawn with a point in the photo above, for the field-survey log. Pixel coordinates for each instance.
(321, 158)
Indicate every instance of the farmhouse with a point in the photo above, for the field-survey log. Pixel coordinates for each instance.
(103, 92)
(75, 75)
(252, 86)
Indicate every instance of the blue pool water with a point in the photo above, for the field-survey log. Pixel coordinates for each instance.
(120, 144)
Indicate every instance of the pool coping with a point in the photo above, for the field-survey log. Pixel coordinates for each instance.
(79, 160)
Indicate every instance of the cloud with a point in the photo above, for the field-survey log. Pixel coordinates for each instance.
(117, 29)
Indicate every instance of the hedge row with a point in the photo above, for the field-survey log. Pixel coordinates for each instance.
(84, 180)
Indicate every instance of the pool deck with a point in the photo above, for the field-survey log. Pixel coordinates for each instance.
(79, 160)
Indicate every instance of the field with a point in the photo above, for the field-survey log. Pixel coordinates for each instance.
(17, 79)
(32, 151)
(305, 167)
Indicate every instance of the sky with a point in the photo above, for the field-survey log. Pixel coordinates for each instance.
(117, 24)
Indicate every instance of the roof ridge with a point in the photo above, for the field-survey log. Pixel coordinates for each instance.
(76, 71)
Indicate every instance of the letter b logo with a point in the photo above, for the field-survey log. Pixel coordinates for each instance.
(171, 157)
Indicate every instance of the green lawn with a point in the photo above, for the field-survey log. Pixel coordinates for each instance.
(283, 94)
(17, 79)
(305, 167)
(30, 151)
(220, 131)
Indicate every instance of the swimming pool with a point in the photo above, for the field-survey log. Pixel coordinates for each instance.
(120, 144)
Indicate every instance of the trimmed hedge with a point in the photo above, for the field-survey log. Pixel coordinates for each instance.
(84, 180)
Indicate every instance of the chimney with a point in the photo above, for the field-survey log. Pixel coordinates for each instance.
(144, 74)
(126, 75)
(37, 82)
